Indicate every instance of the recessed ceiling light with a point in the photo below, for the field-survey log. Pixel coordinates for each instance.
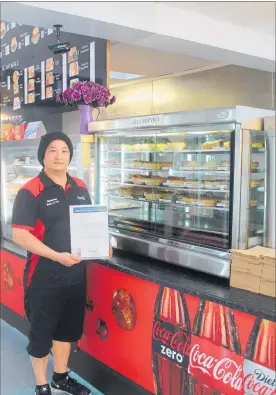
(117, 75)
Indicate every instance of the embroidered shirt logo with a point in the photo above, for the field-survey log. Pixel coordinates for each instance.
(50, 202)
(81, 198)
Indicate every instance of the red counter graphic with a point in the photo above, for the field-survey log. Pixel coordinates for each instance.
(172, 343)
(215, 357)
(12, 292)
(171, 340)
(260, 362)
(166, 341)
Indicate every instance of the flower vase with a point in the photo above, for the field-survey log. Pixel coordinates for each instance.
(85, 117)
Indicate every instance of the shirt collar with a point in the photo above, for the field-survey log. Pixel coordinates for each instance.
(48, 182)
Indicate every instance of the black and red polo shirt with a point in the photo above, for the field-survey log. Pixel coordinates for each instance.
(42, 207)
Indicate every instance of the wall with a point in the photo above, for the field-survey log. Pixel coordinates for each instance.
(220, 87)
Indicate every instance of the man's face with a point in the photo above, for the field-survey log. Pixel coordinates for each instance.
(57, 156)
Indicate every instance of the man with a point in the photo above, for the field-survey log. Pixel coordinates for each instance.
(54, 279)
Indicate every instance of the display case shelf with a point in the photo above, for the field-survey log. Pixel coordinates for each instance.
(187, 151)
(170, 188)
(172, 170)
(162, 201)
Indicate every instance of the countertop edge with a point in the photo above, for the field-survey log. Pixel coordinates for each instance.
(191, 291)
(226, 301)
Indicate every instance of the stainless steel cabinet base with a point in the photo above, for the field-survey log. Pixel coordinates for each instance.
(186, 255)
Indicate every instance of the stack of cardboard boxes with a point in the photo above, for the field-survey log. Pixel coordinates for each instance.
(254, 270)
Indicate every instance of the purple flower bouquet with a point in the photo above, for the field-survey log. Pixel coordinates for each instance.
(88, 93)
(84, 95)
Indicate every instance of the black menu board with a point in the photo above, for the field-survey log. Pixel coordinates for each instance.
(32, 76)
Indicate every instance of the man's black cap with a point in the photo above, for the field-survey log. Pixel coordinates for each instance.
(47, 139)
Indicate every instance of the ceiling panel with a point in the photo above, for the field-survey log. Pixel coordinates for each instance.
(257, 15)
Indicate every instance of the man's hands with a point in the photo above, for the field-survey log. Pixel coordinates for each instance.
(67, 259)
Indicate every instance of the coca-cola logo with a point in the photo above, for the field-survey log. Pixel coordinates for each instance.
(251, 385)
(171, 341)
(224, 370)
(178, 341)
(259, 380)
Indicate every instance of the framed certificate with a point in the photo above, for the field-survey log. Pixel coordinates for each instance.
(89, 231)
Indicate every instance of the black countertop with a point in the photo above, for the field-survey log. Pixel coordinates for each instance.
(188, 281)
(194, 283)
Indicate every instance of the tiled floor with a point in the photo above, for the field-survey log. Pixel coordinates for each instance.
(16, 372)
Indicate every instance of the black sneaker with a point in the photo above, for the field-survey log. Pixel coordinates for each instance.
(69, 386)
(43, 390)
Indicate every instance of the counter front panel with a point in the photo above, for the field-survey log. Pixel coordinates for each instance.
(167, 337)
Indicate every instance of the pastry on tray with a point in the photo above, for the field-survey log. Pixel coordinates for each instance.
(153, 165)
(166, 164)
(211, 164)
(166, 195)
(176, 181)
(155, 181)
(138, 179)
(177, 146)
(254, 165)
(207, 202)
(257, 145)
(125, 192)
(212, 144)
(152, 196)
(128, 147)
(186, 199)
(224, 163)
(227, 144)
(144, 147)
(157, 147)
(256, 183)
(190, 164)
(136, 164)
(138, 192)
(253, 203)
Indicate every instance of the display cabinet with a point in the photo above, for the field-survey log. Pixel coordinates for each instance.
(270, 182)
(19, 164)
(172, 183)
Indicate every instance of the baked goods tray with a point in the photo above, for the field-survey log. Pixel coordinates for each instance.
(222, 188)
(177, 203)
(207, 226)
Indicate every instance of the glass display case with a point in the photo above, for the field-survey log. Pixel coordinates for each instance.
(19, 164)
(169, 184)
(172, 183)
